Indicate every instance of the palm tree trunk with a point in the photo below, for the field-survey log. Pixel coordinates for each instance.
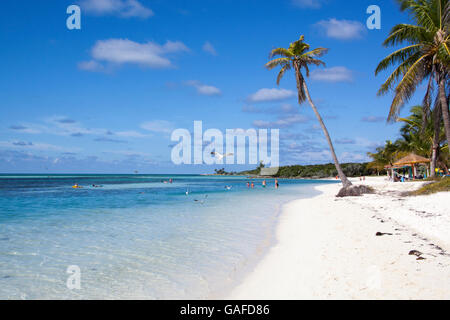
(345, 182)
(444, 107)
(433, 162)
(436, 120)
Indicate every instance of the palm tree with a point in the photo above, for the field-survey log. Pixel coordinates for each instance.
(385, 155)
(299, 56)
(425, 56)
(419, 136)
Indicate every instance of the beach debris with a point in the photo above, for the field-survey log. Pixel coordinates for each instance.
(379, 234)
(415, 253)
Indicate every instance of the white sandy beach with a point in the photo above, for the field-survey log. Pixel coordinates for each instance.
(327, 247)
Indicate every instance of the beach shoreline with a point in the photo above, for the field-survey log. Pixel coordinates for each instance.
(327, 248)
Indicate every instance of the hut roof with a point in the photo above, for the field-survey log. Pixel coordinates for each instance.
(411, 159)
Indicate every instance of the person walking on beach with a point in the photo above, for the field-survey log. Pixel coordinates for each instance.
(276, 184)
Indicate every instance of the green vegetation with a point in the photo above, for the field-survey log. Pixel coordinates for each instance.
(425, 57)
(318, 171)
(222, 172)
(418, 135)
(440, 186)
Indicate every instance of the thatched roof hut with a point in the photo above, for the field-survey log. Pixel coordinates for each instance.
(411, 159)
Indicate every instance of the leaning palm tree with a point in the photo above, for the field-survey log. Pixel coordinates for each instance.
(426, 56)
(297, 57)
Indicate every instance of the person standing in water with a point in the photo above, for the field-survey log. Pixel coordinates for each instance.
(253, 185)
(264, 183)
(276, 184)
(248, 184)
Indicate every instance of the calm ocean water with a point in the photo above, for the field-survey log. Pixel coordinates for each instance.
(135, 237)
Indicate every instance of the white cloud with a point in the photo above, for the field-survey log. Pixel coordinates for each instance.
(353, 157)
(373, 119)
(25, 129)
(124, 51)
(208, 47)
(160, 126)
(131, 134)
(312, 4)
(284, 122)
(121, 8)
(284, 108)
(264, 95)
(345, 141)
(64, 126)
(203, 89)
(341, 29)
(335, 74)
(60, 125)
(36, 146)
(91, 65)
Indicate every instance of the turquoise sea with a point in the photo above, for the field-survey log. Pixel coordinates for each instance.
(135, 236)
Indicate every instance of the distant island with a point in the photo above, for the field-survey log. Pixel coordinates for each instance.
(310, 171)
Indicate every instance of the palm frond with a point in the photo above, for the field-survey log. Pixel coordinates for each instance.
(282, 72)
(397, 73)
(280, 52)
(397, 57)
(407, 87)
(316, 53)
(405, 33)
(277, 62)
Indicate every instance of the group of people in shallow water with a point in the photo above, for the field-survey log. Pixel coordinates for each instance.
(249, 185)
(77, 186)
(264, 184)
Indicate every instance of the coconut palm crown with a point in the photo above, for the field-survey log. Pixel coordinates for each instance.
(298, 56)
(425, 55)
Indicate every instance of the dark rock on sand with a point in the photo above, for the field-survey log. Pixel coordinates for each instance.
(354, 191)
(415, 253)
(379, 234)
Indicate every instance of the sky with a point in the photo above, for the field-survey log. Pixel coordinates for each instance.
(105, 98)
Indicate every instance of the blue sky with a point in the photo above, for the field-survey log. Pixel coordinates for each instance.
(105, 98)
